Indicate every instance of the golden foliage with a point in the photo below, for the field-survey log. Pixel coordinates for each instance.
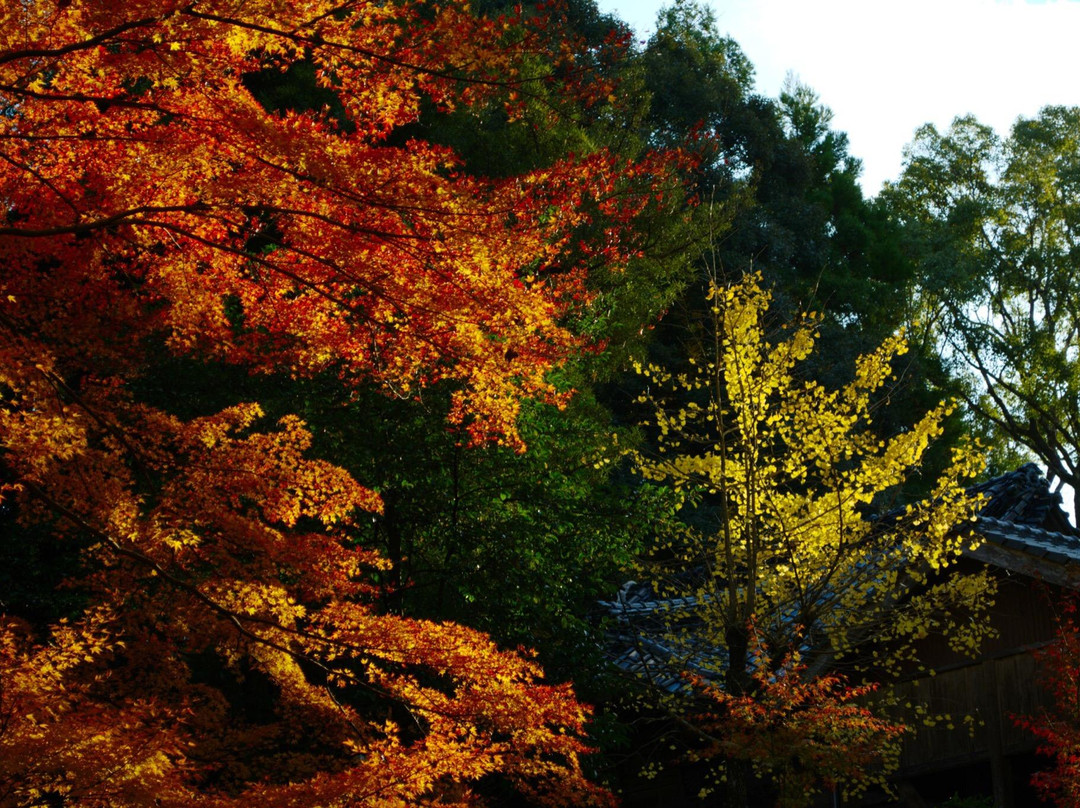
(231, 653)
(787, 518)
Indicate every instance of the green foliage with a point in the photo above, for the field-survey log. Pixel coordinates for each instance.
(519, 545)
(993, 227)
(696, 77)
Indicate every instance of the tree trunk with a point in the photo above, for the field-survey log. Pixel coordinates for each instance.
(737, 681)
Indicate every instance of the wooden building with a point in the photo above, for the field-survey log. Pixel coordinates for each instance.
(1034, 551)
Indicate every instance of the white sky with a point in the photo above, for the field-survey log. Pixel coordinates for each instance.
(886, 67)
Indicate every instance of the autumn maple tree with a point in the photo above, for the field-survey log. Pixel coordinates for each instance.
(799, 732)
(1057, 725)
(222, 646)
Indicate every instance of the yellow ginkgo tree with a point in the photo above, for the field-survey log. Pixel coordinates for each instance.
(790, 540)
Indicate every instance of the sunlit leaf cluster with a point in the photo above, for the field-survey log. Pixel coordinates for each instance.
(230, 647)
(791, 514)
(139, 169)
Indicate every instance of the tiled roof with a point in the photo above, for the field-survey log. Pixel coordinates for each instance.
(1024, 497)
(1059, 548)
(1022, 515)
(640, 640)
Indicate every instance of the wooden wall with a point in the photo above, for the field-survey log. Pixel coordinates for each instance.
(979, 700)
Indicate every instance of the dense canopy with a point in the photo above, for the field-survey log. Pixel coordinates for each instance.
(318, 323)
(224, 645)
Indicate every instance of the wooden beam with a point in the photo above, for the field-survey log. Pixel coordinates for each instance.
(1026, 564)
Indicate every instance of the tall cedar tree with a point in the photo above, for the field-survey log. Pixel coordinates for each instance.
(224, 647)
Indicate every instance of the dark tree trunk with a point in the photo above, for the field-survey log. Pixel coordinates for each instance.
(737, 681)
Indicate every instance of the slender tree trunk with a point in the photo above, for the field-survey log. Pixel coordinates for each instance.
(737, 681)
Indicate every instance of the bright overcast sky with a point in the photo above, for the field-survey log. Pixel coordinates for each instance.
(886, 67)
